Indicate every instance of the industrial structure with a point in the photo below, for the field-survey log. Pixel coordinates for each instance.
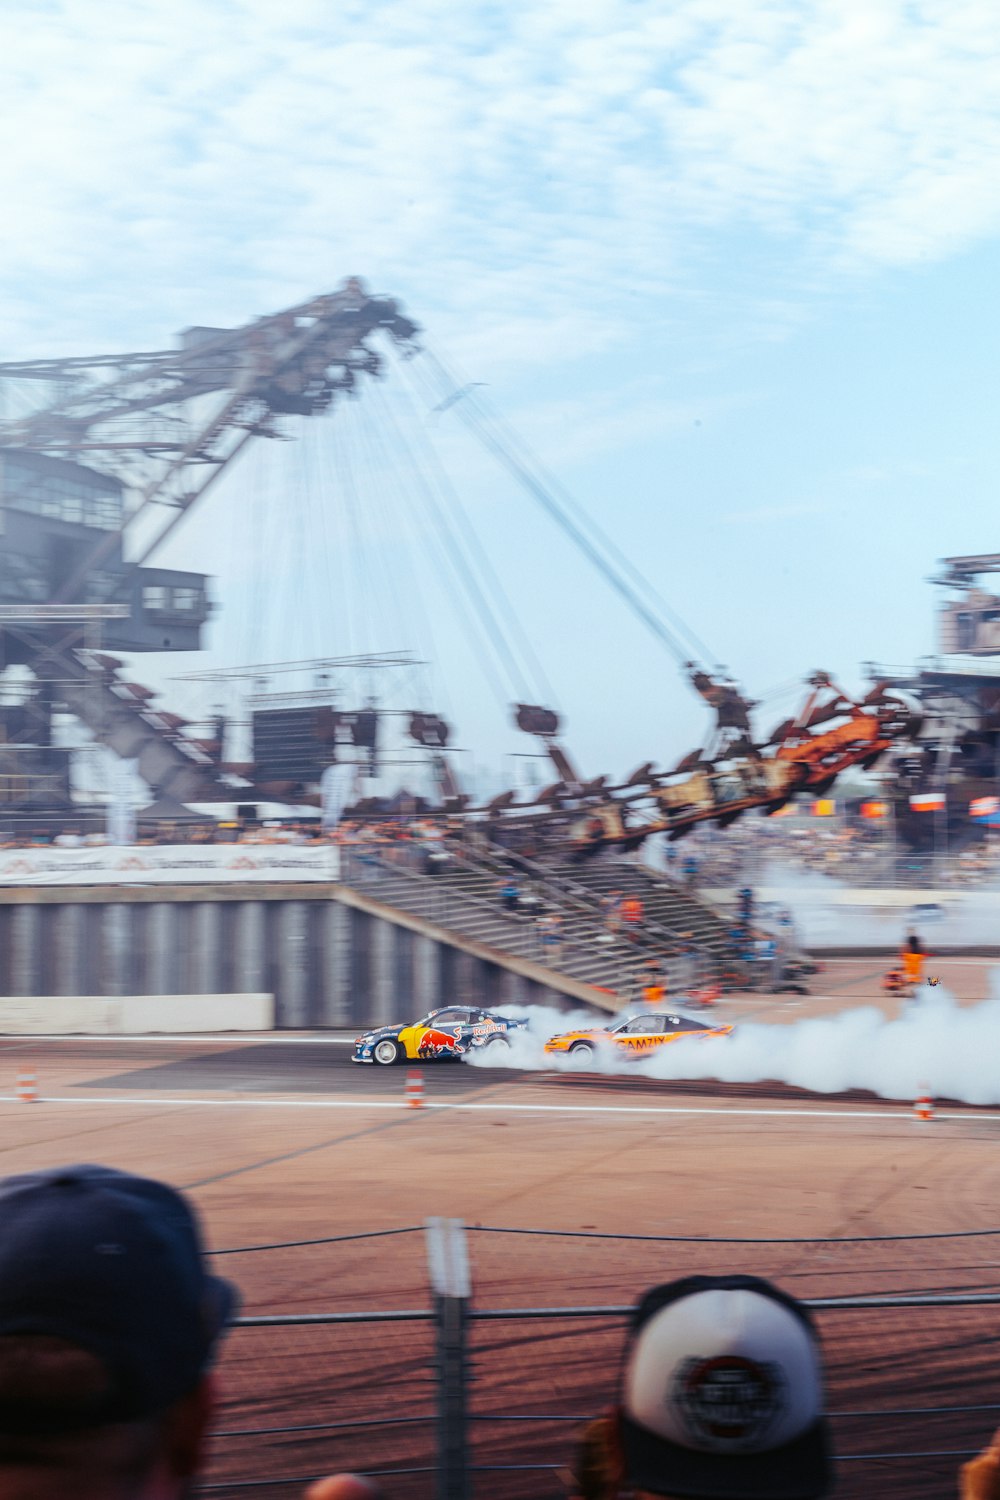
(955, 764)
(111, 454)
(157, 430)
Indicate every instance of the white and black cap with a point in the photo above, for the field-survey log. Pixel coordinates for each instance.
(722, 1394)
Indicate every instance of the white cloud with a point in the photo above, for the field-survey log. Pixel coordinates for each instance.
(520, 170)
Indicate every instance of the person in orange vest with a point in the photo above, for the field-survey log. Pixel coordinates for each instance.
(632, 912)
(911, 962)
(654, 993)
(653, 988)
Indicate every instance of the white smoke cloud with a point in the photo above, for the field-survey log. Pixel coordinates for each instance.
(830, 913)
(935, 1044)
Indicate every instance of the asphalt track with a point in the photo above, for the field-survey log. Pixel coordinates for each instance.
(320, 1069)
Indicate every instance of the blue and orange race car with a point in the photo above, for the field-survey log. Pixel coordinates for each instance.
(447, 1033)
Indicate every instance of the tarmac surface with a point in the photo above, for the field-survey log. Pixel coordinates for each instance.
(281, 1140)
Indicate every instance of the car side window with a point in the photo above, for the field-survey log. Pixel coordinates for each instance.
(450, 1017)
(640, 1026)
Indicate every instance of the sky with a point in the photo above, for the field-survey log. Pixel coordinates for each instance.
(727, 267)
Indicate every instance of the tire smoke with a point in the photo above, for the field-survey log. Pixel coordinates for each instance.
(935, 1043)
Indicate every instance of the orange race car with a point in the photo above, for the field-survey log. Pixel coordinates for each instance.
(634, 1036)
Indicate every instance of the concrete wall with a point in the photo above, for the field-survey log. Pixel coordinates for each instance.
(329, 956)
(134, 1015)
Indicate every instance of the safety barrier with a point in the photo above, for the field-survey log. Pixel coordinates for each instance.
(487, 1396)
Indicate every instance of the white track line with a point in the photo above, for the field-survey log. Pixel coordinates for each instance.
(499, 1106)
(230, 1039)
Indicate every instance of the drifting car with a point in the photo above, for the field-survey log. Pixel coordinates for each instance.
(447, 1033)
(634, 1036)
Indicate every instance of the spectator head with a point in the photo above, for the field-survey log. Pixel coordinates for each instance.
(108, 1326)
(722, 1395)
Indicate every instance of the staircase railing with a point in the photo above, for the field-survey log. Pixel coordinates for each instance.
(580, 946)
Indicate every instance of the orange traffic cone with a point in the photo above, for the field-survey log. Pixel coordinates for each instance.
(415, 1090)
(27, 1090)
(923, 1108)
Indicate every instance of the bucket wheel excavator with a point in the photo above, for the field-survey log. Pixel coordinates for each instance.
(733, 774)
(120, 448)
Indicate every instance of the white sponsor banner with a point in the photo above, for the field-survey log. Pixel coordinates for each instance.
(169, 864)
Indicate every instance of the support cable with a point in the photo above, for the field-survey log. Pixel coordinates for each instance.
(401, 517)
(384, 503)
(360, 570)
(478, 551)
(444, 564)
(330, 480)
(597, 548)
(695, 646)
(463, 571)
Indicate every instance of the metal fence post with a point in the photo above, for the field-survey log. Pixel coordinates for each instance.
(448, 1266)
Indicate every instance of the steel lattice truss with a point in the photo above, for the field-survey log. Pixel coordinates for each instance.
(169, 422)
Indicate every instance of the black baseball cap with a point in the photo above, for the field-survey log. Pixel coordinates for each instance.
(722, 1394)
(113, 1264)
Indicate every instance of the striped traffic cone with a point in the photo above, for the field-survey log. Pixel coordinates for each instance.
(923, 1108)
(27, 1089)
(414, 1090)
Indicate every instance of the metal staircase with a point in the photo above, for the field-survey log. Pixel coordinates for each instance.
(562, 921)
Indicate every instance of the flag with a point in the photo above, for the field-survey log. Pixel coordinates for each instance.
(982, 807)
(874, 809)
(824, 808)
(928, 802)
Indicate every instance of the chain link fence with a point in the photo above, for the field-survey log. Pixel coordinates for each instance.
(473, 1383)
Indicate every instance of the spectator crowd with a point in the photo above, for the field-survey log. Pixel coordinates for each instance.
(855, 851)
(759, 850)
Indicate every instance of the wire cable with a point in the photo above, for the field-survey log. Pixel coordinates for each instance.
(479, 553)
(598, 548)
(463, 572)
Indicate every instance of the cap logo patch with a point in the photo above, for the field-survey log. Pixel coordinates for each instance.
(728, 1403)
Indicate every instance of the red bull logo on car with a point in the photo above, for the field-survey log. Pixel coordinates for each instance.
(432, 1043)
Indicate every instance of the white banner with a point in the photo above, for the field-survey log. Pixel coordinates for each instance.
(169, 864)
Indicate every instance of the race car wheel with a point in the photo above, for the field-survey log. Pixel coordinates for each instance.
(582, 1050)
(387, 1052)
(498, 1041)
